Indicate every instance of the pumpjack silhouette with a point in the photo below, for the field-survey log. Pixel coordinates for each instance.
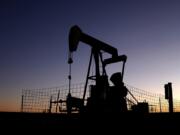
(98, 101)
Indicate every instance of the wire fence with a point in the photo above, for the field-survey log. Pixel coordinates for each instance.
(54, 99)
(45, 99)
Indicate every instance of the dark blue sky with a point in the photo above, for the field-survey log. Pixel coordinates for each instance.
(34, 42)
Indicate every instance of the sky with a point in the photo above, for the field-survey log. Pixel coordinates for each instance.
(34, 43)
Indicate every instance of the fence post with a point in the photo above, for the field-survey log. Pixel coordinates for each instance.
(169, 96)
(160, 104)
(22, 102)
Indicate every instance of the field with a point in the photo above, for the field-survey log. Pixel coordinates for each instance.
(44, 122)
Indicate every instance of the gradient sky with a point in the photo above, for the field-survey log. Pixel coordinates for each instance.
(34, 43)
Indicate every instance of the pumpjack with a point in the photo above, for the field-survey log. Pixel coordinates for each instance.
(97, 101)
